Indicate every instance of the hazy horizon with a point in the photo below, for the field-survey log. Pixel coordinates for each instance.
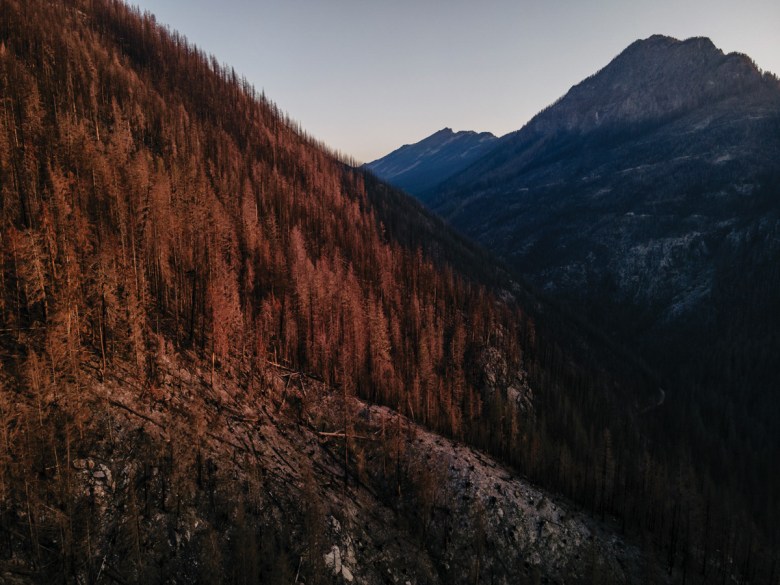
(365, 77)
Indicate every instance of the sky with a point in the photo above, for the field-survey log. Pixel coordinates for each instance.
(367, 76)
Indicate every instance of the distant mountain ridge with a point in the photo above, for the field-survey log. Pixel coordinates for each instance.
(418, 167)
(647, 199)
(668, 131)
(664, 141)
(655, 79)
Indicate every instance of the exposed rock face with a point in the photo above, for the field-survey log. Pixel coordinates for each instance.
(418, 167)
(417, 508)
(499, 376)
(652, 79)
(487, 524)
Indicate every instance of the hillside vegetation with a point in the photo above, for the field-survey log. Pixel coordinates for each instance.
(200, 305)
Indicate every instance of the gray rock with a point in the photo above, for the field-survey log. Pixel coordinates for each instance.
(333, 560)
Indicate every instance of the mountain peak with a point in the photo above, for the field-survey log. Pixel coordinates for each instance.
(658, 44)
(444, 131)
(659, 40)
(653, 78)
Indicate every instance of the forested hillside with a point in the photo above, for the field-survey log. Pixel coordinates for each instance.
(198, 306)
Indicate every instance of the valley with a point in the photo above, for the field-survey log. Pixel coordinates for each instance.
(227, 355)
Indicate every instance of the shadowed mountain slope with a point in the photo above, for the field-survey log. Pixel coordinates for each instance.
(648, 199)
(417, 168)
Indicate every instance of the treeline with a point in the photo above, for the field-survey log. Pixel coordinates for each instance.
(149, 196)
(191, 209)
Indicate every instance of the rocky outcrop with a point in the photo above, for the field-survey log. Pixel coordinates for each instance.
(414, 507)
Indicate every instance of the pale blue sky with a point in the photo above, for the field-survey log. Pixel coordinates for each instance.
(366, 76)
